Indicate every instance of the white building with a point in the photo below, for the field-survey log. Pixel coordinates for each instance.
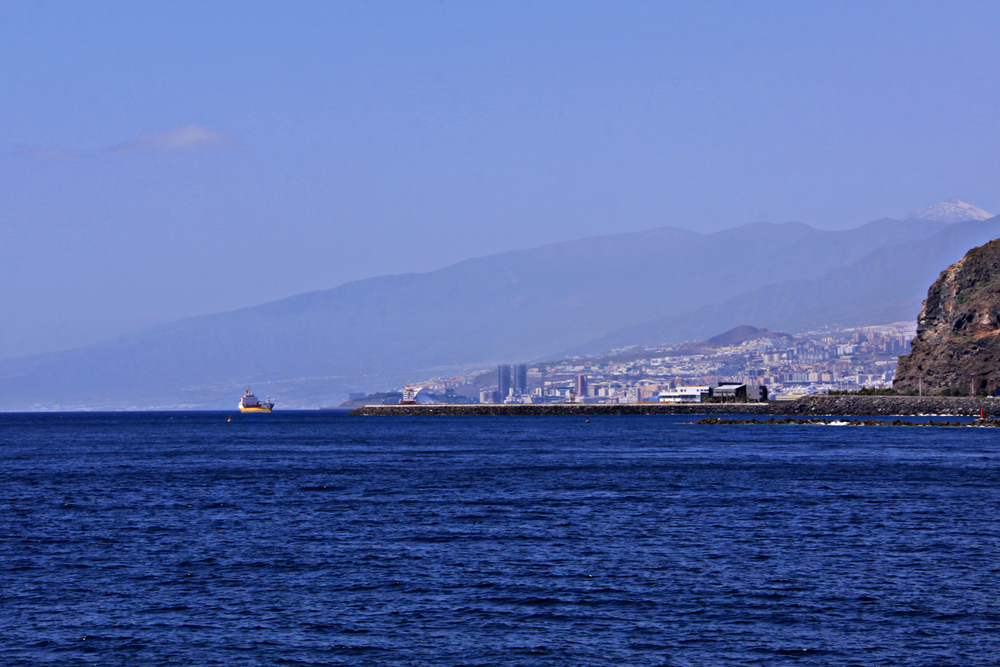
(689, 394)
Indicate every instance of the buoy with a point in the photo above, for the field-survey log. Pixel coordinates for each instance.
(230, 419)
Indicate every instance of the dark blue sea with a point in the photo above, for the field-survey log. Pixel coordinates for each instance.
(315, 538)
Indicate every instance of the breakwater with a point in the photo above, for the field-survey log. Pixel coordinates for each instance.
(808, 405)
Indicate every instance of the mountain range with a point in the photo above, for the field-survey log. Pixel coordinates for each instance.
(590, 295)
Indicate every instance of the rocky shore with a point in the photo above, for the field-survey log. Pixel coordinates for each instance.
(713, 421)
(880, 406)
(887, 406)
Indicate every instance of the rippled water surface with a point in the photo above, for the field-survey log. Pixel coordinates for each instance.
(321, 539)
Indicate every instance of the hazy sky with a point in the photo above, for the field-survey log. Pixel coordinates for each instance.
(167, 159)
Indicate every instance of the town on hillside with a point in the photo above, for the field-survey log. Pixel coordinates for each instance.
(744, 363)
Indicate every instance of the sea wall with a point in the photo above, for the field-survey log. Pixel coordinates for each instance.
(809, 405)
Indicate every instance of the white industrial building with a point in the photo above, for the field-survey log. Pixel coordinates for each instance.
(689, 394)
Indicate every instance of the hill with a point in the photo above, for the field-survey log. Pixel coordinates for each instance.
(742, 334)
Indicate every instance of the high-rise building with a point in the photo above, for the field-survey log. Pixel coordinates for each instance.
(581, 385)
(503, 380)
(521, 378)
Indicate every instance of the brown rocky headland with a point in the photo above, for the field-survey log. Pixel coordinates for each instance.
(957, 347)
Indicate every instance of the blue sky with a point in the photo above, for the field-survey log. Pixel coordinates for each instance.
(161, 160)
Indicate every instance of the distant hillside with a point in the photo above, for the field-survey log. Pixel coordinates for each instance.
(312, 349)
(886, 285)
(741, 334)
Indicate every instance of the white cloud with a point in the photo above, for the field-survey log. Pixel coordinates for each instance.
(51, 154)
(190, 137)
(185, 139)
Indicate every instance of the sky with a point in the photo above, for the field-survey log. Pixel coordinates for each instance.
(167, 159)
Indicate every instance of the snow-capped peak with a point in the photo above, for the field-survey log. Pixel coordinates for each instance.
(950, 210)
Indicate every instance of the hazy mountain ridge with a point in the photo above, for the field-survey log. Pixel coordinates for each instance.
(312, 348)
(887, 285)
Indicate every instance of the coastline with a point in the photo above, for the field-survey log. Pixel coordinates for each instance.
(809, 405)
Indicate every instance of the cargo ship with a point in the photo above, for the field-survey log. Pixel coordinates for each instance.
(250, 403)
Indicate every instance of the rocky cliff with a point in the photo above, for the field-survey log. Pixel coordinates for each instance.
(957, 347)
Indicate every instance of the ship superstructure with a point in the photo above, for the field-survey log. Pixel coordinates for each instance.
(409, 395)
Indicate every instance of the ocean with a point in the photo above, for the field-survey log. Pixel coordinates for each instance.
(316, 538)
